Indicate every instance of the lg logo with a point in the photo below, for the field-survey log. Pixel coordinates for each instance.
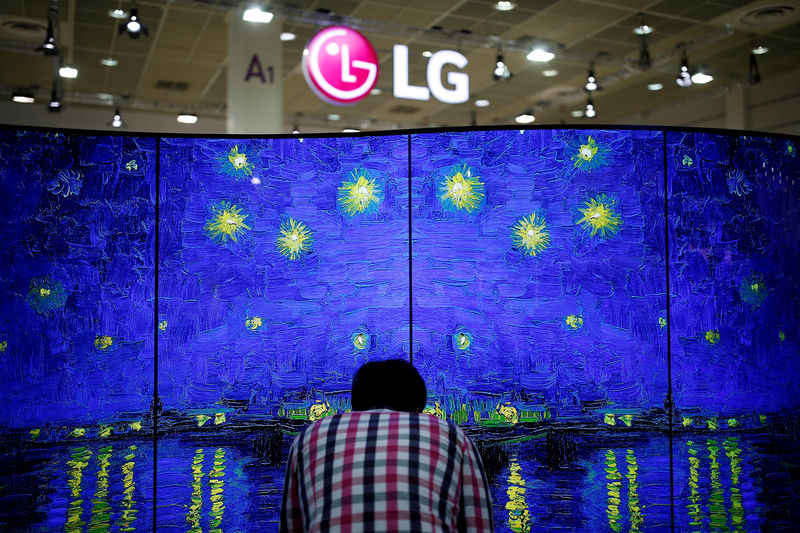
(459, 80)
(341, 67)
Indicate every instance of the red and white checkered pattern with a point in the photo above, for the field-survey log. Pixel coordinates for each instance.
(385, 471)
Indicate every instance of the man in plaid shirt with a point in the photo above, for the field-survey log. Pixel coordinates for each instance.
(385, 467)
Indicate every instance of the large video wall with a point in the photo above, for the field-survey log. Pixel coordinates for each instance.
(612, 313)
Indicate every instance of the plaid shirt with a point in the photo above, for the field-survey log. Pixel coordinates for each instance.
(385, 471)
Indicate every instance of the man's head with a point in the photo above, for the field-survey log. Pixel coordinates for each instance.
(392, 384)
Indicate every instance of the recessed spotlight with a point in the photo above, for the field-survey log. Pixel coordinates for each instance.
(23, 97)
(525, 118)
(701, 78)
(504, 5)
(68, 71)
(187, 118)
(256, 14)
(288, 36)
(590, 111)
(350, 130)
(549, 73)
(427, 53)
(482, 103)
(118, 13)
(116, 121)
(334, 117)
(540, 55)
(759, 50)
(655, 86)
(109, 62)
(375, 91)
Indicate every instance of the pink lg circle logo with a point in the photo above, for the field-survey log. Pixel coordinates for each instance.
(340, 65)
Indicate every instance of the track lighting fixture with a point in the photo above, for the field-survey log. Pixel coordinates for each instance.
(257, 14)
(68, 71)
(526, 117)
(133, 25)
(700, 77)
(684, 78)
(187, 118)
(540, 55)
(55, 103)
(49, 46)
(643, 29)
(501, 71)
(590, 111)
(591, 80)
(116, 121)
(23, 97)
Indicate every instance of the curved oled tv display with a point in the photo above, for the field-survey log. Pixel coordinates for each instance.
(611, 314)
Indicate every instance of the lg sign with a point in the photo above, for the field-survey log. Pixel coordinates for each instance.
(341, 66)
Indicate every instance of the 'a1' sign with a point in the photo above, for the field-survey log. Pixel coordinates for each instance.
(340, 65)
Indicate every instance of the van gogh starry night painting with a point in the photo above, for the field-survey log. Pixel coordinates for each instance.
(610, 314)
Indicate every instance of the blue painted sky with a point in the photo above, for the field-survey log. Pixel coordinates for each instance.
(579, 320)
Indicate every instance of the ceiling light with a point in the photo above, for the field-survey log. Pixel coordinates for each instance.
(55, 104)
(117, 13)
(643, 29)
(427, 53)
(525, 117)
(350, 130)
(68, 71)
(334, 116)
(590, 111)
(187, 118)
(256, 14)
(759, 50)
(504, 5)
(133, 25)
(116, 122)
(288, 36)
(655, 86)
(375, 91)
(591, 80)
(48, 46)
(109, 62)
(540, 55)
(23, 97)
(295, 131)
(549, 73)
(701, 78)
(501, 70)
(482, 103)
(684, 79)
(576, 113)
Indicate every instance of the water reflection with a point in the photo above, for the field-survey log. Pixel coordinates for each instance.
(613, 485)
(216, 482)
(695, 512)
(734, 453)
(129, 510)
(75, 466)
(721, 482)
(101, 510)
(193, 517)
(519, 517)
(634, 511)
